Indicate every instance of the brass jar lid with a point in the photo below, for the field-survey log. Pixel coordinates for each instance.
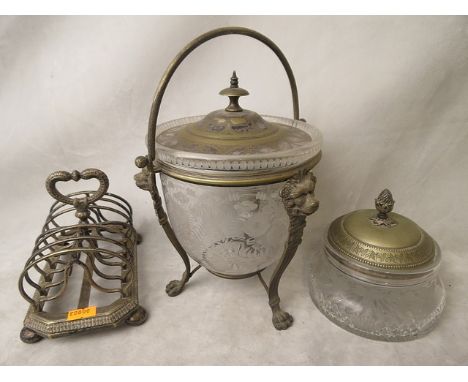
(381, 239)
(234, 146)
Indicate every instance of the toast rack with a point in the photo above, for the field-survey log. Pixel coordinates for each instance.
(92, 261)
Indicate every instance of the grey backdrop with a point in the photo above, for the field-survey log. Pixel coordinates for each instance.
(389, 94)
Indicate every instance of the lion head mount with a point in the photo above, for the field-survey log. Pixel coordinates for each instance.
(298, 194)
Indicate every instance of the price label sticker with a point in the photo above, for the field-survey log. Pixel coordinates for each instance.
(78, 314)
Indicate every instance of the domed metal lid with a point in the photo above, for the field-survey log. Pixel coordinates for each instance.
(381, 239)
(209, 149)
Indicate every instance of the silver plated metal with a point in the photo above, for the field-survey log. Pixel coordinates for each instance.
(222, 132)
(98, 251)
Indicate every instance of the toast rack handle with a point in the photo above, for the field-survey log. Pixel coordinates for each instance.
(65, 176)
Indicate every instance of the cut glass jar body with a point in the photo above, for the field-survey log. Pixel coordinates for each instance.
(240, 230)
(378, 311)
(231, 231)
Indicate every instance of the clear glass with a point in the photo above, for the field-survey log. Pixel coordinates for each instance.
(232, 231)
(380, 312)
(293, 149)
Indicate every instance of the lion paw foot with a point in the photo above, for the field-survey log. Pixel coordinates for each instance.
(282, 320)
(174, 288)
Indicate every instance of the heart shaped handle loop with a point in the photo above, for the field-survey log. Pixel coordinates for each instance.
(64, 176)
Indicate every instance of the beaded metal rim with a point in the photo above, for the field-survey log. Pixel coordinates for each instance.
(236, 178)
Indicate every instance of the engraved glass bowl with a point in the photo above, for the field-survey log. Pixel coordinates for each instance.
(375, 283)
(222, 175)
(231, 231)
(377, 311)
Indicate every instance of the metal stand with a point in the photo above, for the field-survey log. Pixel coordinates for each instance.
(299, 200)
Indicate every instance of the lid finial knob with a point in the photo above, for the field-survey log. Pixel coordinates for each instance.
(234, 92)
(234, 80)
(384, 204)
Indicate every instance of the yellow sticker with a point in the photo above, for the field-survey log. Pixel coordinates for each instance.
(78, 314)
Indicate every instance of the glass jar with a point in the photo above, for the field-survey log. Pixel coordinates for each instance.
(228, 230)
(238, 185)
(378, 275)
(222, 175)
